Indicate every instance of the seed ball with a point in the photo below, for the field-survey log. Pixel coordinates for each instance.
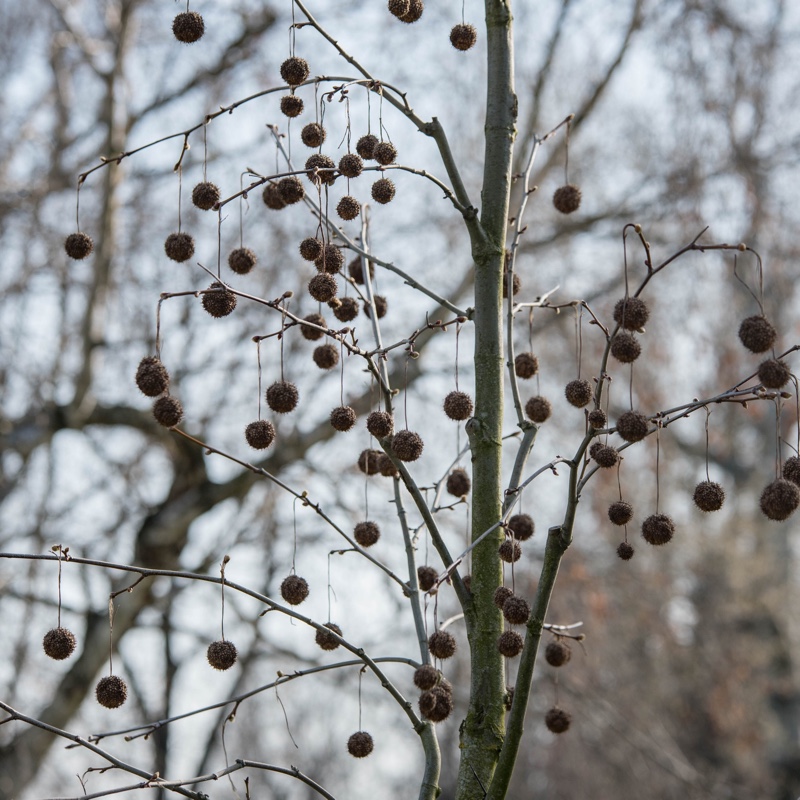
(294, 589)
(311, 248)
(516, 610)
(343, 418)
(384, 153)
(501, 594)
(368, 461)
(631, 313)
(78, 245)
(557, 653)
(291, 189)
(458, 483)
(567, 198)
(282, 397)
(538, 409)
(380, 424)
(360, 744)
(260, 434)
(658, 529)
(557, 720)
(709, 496)
(242, 260)
(348, 207)
(773, 373)
(325, 639)
(346, 309)
(625, 347)
(219, 303)
(632, 426)
(620, 512)
(463, 37)
(292, 105)
(356, 271)
(205, 195)
(111, 691)
(386, 466)
(426, 677)
(323, 287)
(606, 456)
(780, 499)
(510, 644)
(381, 306)
(625, 551)
(272, 197)
(791, 470)
(526, 365)
(326, 356)
(426, 579)
(179, 246)
(351, 165)
(510, 551)
(407, 445)
(365, 146)
(516, 284)
(521, 526)
(59, 643)
(294, 70)
(594, 447)
(222, 654)
(398, 7)
(442, 644)
(383, 191)
(168, 411)
(597, 419)
(320, 169)
(188, 27)
(366, 533)
(313, 135)
(757, 334)
(415, 9)
(312, 334)
(152, 377)
(458, 406)
(578, 393)
(437, 704)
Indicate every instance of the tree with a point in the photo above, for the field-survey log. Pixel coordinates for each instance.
(160, 540)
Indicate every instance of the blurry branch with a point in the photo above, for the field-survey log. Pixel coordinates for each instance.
(89, 50)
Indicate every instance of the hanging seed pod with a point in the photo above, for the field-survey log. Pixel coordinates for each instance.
(326, 356)
(385, 153)
(757, 334)
(606, 456)
(291, 190)
(557, 720)
(597, 419)
(220, 301)
(383, 191)
(294, 71)
(526, 365)
(631, 313)
(368, 461)
(415, 9)
(386, 466)
(168, 411)
(442, 645)
(260, 434)
(351, 165)
(516, 610)
(59, 643)
(346, 308)
(381, 306)
(242, 260)
(501, 594)
(458, 406)
(188, 27)
(557, 653)
(522, 527)
(320, 169)
(323, 287)
(222, 655)
(463, 36)
(567, 199)
(343, 418)
(458, 483)
(709, 496)
(578, 393)
(398, 7)
(516, 284)
(292, 105)
(658, 529)
(780, 499)
(538, 409)
(407, 445)
(356, 271)
(360, 744)
(620, 512)
(426, 677)
(773, 373)
(78, 245)
(312, 334)
(632, 426)
(510, 644)
(426, 579)
(294, 589)
(313, 135)
(282, 397)
(205, 195)
(791, 470)
(330, 260)
(365, 146)
(152, 377)
(348, 207)
(179, 247)
(311, 248)
(111, 691)
(272, 197)
(325, 639)
(625, 551)
(625, 347)
(366, 533)
(380, 424)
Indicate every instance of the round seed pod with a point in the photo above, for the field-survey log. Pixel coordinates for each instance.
(606, 456)
(78, 245)
(356, 271)
(365, 146)
(326, 356)
(597, 419)
(292, 105)
(442, 644)
(179, 246)
(516, 610)
(343, 418)
(111, 691)
(510, 551)
(360, 744)
(522, 527)
(426, 579)
(380, 424)
(463, 37)
(620, 512)
(222, 654)
(407, 445)
(625, 347)
(260, 434)
(272, 197)
(538, 409)
(168, 411)
(516, 284)
(366, 533)
(330, 260)
(346, 309)
(458, 483)
(557, 720)
(351, 165)
(567, 199)
(384, 153)
(383, 191)
(709, 496)
(398, 7)
(323, 287)
(219, 303)
(242, 260)
(381, 306)
(458, 406)
(291, 189)
(579, 393)
(426, 677)
(188, 27)
(311, 248)
(320, 169)
(294, 589)
(501, 594)
(294, 71)
(348, 207)
(325, 640)
(282, 397)
(658, 529)
(757, 334)
(780, 499)
(313, 135)
(625, 551)
(631, 313)
(510, 644)
(59, 643)
(437, 704)
(368, 461)
(632, 426)
(791, 470)
(152, 377)
(386, 466)
(557, 653)
(526, 365)
(205, 195)
(594, 447)
(311, 333)
(773, 373)
(415, 9)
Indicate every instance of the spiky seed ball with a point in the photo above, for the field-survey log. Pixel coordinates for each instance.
(578, 393)
(526, 365)
(557, 653)
(516, 610)
(597, 419)
(326, 356)
(292, 105)
(356, 271)
(521, 526)
(606, 456)
(311, 248)
(323, 287)
(168, 411)
(179, 246)
(242, 260)
(320, 169)
(632, 426)
(594, 447)
(222, 654)
(380, 424)
(437, 704)
(343, 418)
(220, 302)
(407, 445)
(368, 461)
(557, 720)
(351, 165)
(658, 529)
(791, 470)
(415, 9)
(111, 691)
(625, 347)
(538, 409)
(59, 643)
(510, 551)
(463, 36)
(325, 640)
(291, 189)
(567, 198)
(398, 7)
(510, 644)
(260, 434)
(152, 377)
(426, 677)
(458, 406)
(631, 313)
(360, 744)
(381, 306)
(385, 153)
(188, 27)
(294, 589)
(365, 146)
(313, 135)
(625, 551)
(294, 70)
(205, 195)
(282, 397)
(311, 333)
(348, 207)
(442, 644)
(773, 373)
(709, 496)
(426, 578)
(620, 512)
(501, 594)
(272, 197)
(780, 499)
(383, 191)
(516, 284)
(757, 334)
(366, 533)
(458, 482)
(346, 309)
(386, 466)
(78, 245)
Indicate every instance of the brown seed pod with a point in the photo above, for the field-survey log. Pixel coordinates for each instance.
(168, 411)
(366, 533)
(294, 589)
(526, 365)
(594, 447)
(442, 644)
(538, 409)
(516, 283)
(330, 260)
(323, 287)
(780, 499)
(291, 189)
(773, 373)
(111, 691)
(632, 426)
(205, 195)
(522, 527)
(320, 169)
(222, 654)
(620, 512)
(407, 445)
(384, 153)
(501, 594)
(313, 135)
(625, 551)
(380, 424)
(356, 271)
(625, 347)
(351, 165)
(152, 377)
(426, 677)
(311, 248)
(272, 197)
(631, 313)
(557, 720)
(415, 9)
(567, 199)
(709, 496)
(458, 483)
(386, 466)
(757, 334)
(426, 579)
(658, 529)
(557, 653)
(458, 406)
(381, 306)
(325, 640)
(59, 643)
(242, 260)
(343, 418)
(348, 207)
(463, 36)
(360, 744)
(510, 551)
(220, 301)
(398, 7)
(282, 397)
(368, 461)
(510, 644)
(597, 419)
(179, 246)
(437, 704)
(292, 105)
(311, 333)
(260, 434)
(383, 191)
(188, 27)
(326, 356)
(606, 456)
(578, 393)
(294, 71)
(791, 470)
(346, 309)
(365, 146)
(78, 245)
(516, 610)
